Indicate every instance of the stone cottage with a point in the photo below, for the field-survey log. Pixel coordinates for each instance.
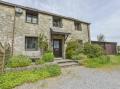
(21, 25)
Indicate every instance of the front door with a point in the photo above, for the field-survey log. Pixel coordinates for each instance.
(57, 47)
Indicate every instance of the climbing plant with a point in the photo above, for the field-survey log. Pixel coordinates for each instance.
(42, 43)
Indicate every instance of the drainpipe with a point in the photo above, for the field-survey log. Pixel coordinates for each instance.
(89, 38)
(13, 33)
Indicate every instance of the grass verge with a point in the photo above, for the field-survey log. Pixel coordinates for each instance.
(99, 62)
(13, 79)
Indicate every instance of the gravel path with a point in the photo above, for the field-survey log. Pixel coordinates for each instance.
(79, 78)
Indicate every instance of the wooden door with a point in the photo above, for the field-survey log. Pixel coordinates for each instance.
(57, 47)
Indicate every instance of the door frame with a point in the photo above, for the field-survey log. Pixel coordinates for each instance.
(61, 47)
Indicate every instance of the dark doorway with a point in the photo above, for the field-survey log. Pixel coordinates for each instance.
(57, 47)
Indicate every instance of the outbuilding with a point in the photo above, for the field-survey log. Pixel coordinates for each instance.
(109, 47)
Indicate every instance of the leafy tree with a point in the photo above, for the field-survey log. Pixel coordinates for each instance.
(101, 38)
(42, 42)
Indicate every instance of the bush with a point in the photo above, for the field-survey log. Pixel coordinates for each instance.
(48, 57)
(40, 61)
(73, 48)
(92, 50)
(19, 61)
(69, 54)
(12, 79)
(97, 62)
(79, 57)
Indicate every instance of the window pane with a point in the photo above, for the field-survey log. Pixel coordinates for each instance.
(29, 18)
(56, 44)
(34, 19)
(57, 22)
(78, 26)
(31, 43)
(80, 41)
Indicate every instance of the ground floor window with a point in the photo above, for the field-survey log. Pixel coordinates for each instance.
(31, 43)
(80, 42)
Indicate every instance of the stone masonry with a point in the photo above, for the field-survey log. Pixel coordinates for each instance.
(8, 20)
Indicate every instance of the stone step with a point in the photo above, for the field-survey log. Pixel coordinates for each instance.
(58, 58)
(65, 61)
(68, 64)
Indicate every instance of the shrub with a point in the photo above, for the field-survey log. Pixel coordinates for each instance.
(12, 79)
(73, 47)
(92, 50)
(40, 61)
(48, 57)
(69, 54)
(79, 57)
(19, 61)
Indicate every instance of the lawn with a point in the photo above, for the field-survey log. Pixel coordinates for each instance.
(12, 79)
(99, 62)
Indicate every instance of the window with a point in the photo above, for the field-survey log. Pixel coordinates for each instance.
(80, 41)
(57, 22)
(31, 17)
(31, 43)
(78, 26)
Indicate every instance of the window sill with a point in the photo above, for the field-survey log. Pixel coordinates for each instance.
(79, 30)
(31, 50)
(32, 23)
(57, 27)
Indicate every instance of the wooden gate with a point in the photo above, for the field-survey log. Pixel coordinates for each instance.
(1, 58)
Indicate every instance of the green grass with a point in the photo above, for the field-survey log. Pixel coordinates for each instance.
(102, 62)
(19, 61)
(115, 59)
(12, 79)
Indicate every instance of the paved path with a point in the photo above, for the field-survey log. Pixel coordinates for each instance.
(79, 78)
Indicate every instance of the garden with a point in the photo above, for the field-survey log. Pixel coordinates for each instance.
(11, 79)
(90, 55)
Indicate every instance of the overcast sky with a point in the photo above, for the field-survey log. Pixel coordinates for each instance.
(104, 15)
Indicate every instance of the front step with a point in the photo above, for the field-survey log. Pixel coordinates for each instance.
(66, 63)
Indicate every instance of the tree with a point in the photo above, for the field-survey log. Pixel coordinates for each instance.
(101, 38)
(42, 43)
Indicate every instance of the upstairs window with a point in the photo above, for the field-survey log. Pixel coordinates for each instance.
(57, 22)
(78, 26)
(31, 43)
(32, 17)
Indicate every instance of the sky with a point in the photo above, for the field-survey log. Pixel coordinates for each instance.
(104, 15)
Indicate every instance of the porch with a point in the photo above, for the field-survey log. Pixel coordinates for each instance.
(58, 41)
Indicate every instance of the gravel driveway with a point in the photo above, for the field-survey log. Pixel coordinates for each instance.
(79, 78)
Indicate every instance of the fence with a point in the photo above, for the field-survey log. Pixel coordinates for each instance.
(1, 58)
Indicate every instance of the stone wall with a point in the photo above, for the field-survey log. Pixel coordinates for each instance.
(23, 29)
(27, 29)
(81, 35)
(6, 23)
